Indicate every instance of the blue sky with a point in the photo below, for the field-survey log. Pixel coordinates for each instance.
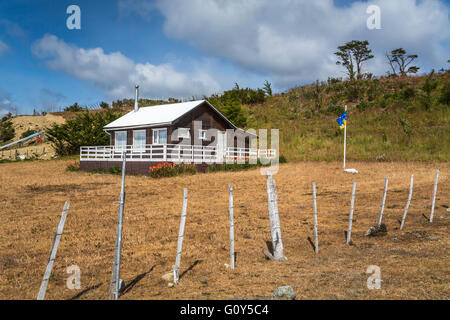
(178, 48)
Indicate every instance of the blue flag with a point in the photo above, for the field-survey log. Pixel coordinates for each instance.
(342, 120)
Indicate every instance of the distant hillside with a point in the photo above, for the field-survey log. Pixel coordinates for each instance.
(391, 118)
(27, 125)
(395, 118)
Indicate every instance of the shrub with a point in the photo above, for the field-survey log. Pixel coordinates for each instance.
(429, 86)
(234, 112)
(115, 170)
(282, 159)
(409, 93)
(85, 130)
(335, 109)
(7, 131)
(73, 166)
(354, 91)
(74, 108)
(444, 98)
(165, 169)
(27, 133)
(362, 106)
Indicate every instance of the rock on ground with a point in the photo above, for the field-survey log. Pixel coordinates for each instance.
(375, 231)
(284, 292)
(168, 276)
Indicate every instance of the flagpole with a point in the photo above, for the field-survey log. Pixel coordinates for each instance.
(345, 136)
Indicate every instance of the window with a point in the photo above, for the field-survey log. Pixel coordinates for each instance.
(202, 134)
(183, 133)
(139, 140)
(159, 136)
(121, 140)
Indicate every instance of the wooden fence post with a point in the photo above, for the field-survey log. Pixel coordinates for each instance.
(275, 230)
(176, 267)
(380, 217)
(407, 203)
(115, 279)
(434, 195)
(56, 239)
(316, 236)
(230, 203)
(350, 219)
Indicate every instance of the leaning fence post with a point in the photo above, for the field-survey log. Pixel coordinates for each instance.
(230, 203)
(383, 201)
(176, 267)
(350, 219)
(434, 195)
(316, 237)
(275, 230)
(407, 203)
(56, 239)
(115, 279)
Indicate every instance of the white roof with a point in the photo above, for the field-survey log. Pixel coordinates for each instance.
(154, 115)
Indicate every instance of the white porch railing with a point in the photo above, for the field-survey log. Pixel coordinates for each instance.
(173, 153)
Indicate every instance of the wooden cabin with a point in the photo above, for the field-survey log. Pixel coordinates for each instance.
(189, 132)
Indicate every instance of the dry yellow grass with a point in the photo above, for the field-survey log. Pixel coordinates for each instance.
(414, 264)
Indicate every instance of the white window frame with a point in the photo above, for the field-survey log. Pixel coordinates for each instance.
(116, 144)
(187, 132)
(200, 132)
(153, 136)
(139, 147)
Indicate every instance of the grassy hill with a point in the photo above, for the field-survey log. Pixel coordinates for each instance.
(401, 118)
(389, 119)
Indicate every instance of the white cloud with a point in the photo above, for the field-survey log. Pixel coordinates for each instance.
(294, 41)
(3, 47)
(5, 102)
(117, 74)
(12, 29)
(142, 8)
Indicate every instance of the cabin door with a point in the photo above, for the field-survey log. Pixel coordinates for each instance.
(221, 146)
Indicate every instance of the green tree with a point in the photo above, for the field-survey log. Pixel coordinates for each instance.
(7, 131)
(268, 88)
(352, 55)
(85, 130)
(233, 111)
(74, 108)
(398, 59)
(104, 105)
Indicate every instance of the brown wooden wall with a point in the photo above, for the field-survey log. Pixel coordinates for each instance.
(142, 168)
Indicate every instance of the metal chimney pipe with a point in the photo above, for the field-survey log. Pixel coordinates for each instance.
(136, 106)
